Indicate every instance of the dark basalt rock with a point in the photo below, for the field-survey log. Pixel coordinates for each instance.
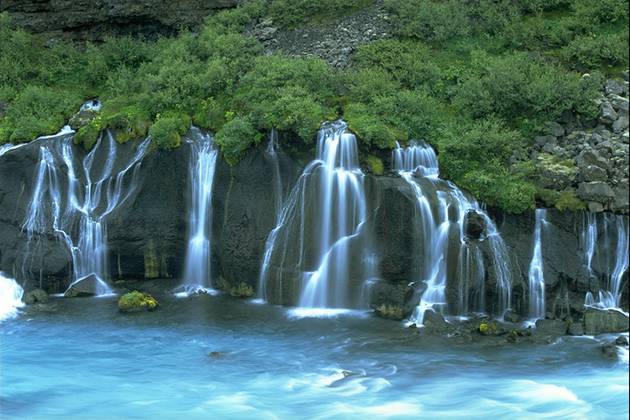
(95, 19)
(474, 225)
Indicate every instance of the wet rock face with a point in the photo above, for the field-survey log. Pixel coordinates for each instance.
(597, 321)
(474, 225)
(94, 19)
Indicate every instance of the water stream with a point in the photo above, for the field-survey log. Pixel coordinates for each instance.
(72, 198)
(536, 271)
(203, 159)
(442, 210)
(312, 243)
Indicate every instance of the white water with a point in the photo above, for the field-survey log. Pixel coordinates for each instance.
(419, 162)
(320, 236)
(73, 202)
(197, 274)
(613, 257)
(272, 155)
(536, 271)
(10, 297)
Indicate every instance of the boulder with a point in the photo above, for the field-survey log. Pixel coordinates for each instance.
(619, 103)
(595, 191)
(81, 118)
(590, 157)
(607, 114)
(434, 323)
(474, 225)
(592, 173)
(554, 129)
(89, 285)
(137, 302)
(551, 327)
(612, 87)
(543, 140)
(35, 296)
(599, 321)
(620, 125)
(622, 193)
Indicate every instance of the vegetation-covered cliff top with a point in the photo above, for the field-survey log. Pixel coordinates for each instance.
(477, 79)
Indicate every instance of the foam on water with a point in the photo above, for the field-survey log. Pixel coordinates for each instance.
(10, 297)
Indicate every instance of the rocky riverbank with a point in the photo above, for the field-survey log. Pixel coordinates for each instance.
(587, 160)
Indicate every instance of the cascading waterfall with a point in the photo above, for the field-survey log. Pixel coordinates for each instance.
(437, 200)
(10, 297)
(74, 202)
(272, 155)
(324, 213)
(613, 257)
(536, 271)
(197, 275)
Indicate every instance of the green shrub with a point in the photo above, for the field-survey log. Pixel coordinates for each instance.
(167, 130)
(430, 21)
(568, 200)
(294, 12)
(593, 51)
(38, 111)
(235, 137)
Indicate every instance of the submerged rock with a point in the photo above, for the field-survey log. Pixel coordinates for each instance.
(551, 327)
(599, 321)
(35, 296)
(137, 302)
(84, 287)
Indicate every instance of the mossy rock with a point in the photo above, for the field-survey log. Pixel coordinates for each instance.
(488, 328)
(242, 290)
(375, 165)
(386, 311)
(137, 302)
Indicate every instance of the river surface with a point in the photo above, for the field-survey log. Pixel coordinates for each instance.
(215, 357)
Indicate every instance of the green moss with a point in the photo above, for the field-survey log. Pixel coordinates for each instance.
(375, 165)
(137, 302)
(242, 290)
(488, 328)
(547, 196)
(568, 200)
(388, 311)
(88, 134)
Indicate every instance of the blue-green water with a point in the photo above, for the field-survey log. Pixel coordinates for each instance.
(85, 360)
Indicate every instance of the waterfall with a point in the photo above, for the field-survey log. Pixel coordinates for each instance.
(536, 272)
(73, 202)
(312, 243)
(197, 275)
(10, 297)
(590, 239)
(613, 256)
(442, 206)
(272, 156)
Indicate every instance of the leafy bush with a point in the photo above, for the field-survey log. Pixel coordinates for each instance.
(590, 52)
(37, 111)
(293, 12)
(519, 87)
(167, 130)
(235, 137)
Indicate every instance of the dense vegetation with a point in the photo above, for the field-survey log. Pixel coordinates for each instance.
(476, 78)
